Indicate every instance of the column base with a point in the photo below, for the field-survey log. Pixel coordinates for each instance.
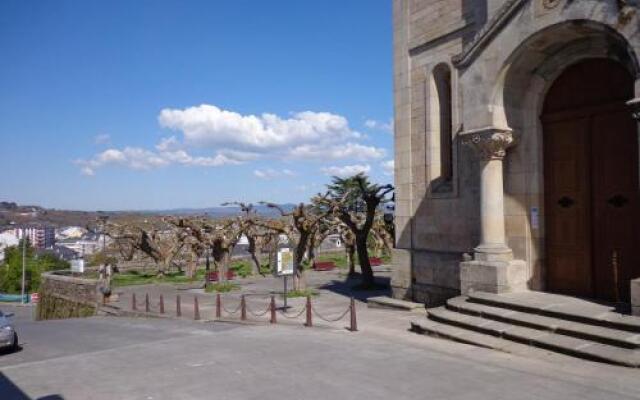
(493, 252)
(493, 276)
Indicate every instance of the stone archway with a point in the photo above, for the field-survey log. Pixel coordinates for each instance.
(518, 99)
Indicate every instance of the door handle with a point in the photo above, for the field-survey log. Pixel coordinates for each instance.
(565, 202)
(618, 201)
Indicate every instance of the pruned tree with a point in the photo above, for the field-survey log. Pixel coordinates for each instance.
(220, 237)
(298, 225)
(255, 234)
(349, 241)
(161, 245)
(355, 202)
(381, 237)
(327, 225)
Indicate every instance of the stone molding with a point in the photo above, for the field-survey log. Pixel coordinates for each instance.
(491, 142)
(484, 36)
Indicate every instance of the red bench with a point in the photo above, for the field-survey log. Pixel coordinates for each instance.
(375, 261)
(213, 276)
(324, 265)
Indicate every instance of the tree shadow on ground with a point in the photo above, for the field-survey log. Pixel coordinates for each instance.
(350, 287)
(9, 390)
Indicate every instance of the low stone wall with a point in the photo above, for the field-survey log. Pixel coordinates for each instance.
(65, 296)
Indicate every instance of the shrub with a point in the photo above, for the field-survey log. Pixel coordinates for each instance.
(222, 287)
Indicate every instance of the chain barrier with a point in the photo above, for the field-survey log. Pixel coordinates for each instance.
(231, 312)
(317, 314)
(257, 315)
(284, 313)
(243, 306)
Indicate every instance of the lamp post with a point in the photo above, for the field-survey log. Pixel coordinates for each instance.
(24, 263)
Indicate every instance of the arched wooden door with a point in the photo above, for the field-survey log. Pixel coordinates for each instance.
(592, 195)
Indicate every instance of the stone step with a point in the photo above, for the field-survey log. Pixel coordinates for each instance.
(394, 304)
(600, 334)
(577, 347)
(433, 328)
(596, 315)
(461, 335)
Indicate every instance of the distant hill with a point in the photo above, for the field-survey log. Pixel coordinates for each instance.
(217, 211)
(12, 214)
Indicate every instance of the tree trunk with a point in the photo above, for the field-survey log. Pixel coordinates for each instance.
(350, 249)
(255, 257)
(363, 258)
(311, 255)
(223, 267)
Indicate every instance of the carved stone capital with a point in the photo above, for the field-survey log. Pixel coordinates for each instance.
(634, 106)
(491, 142)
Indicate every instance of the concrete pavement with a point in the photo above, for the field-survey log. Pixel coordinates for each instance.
(127, 358)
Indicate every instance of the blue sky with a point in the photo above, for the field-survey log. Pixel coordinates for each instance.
(162, 104)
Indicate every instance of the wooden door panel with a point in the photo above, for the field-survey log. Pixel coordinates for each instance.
(567, 206)
(616, 204)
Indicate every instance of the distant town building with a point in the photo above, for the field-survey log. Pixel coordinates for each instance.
(85, 245)
(7, 238)
(65, 253)
(40, 236)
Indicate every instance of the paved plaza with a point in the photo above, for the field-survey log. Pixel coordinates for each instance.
(168, 358)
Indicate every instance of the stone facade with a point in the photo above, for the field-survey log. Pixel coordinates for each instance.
(481, 225)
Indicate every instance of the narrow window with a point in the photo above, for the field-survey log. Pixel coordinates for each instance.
(442, 78)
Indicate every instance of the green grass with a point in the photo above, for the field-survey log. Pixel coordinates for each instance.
(131, 278)
(302, 293)
(241, 268)
(338, 258)
(222, 287)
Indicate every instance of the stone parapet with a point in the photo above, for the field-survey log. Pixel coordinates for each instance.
(66, 296)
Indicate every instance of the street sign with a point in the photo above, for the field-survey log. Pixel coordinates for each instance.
(35, 298)
(285, 262)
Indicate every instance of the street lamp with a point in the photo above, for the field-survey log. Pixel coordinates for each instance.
(24, 262)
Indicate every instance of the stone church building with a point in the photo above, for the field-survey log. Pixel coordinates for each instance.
(516, 147)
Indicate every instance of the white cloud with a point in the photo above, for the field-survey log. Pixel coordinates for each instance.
(379, 125)
(102, 138)
(346, 170)
(234, 138)
(270, 173)
(349, 150)
(388, 167)
(141, 159)
(207, 125)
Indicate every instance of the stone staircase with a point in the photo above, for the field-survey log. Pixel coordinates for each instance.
(561, 324)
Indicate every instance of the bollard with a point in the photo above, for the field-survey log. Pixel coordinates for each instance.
(178, 310)
(273, 310)
(354, 324)
(161, 304)
(243, 309)
(218, 306)
(134, 306)
(196, 308)
(146, 302)
(309, 322)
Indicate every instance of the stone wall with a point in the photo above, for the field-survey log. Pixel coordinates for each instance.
(66, 296)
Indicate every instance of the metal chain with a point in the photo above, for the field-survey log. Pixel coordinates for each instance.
(284, 314)
(313, 309)
(231, 312)
(258, 314)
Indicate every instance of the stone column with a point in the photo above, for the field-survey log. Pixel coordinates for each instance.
(491, 144)
(493, 268)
